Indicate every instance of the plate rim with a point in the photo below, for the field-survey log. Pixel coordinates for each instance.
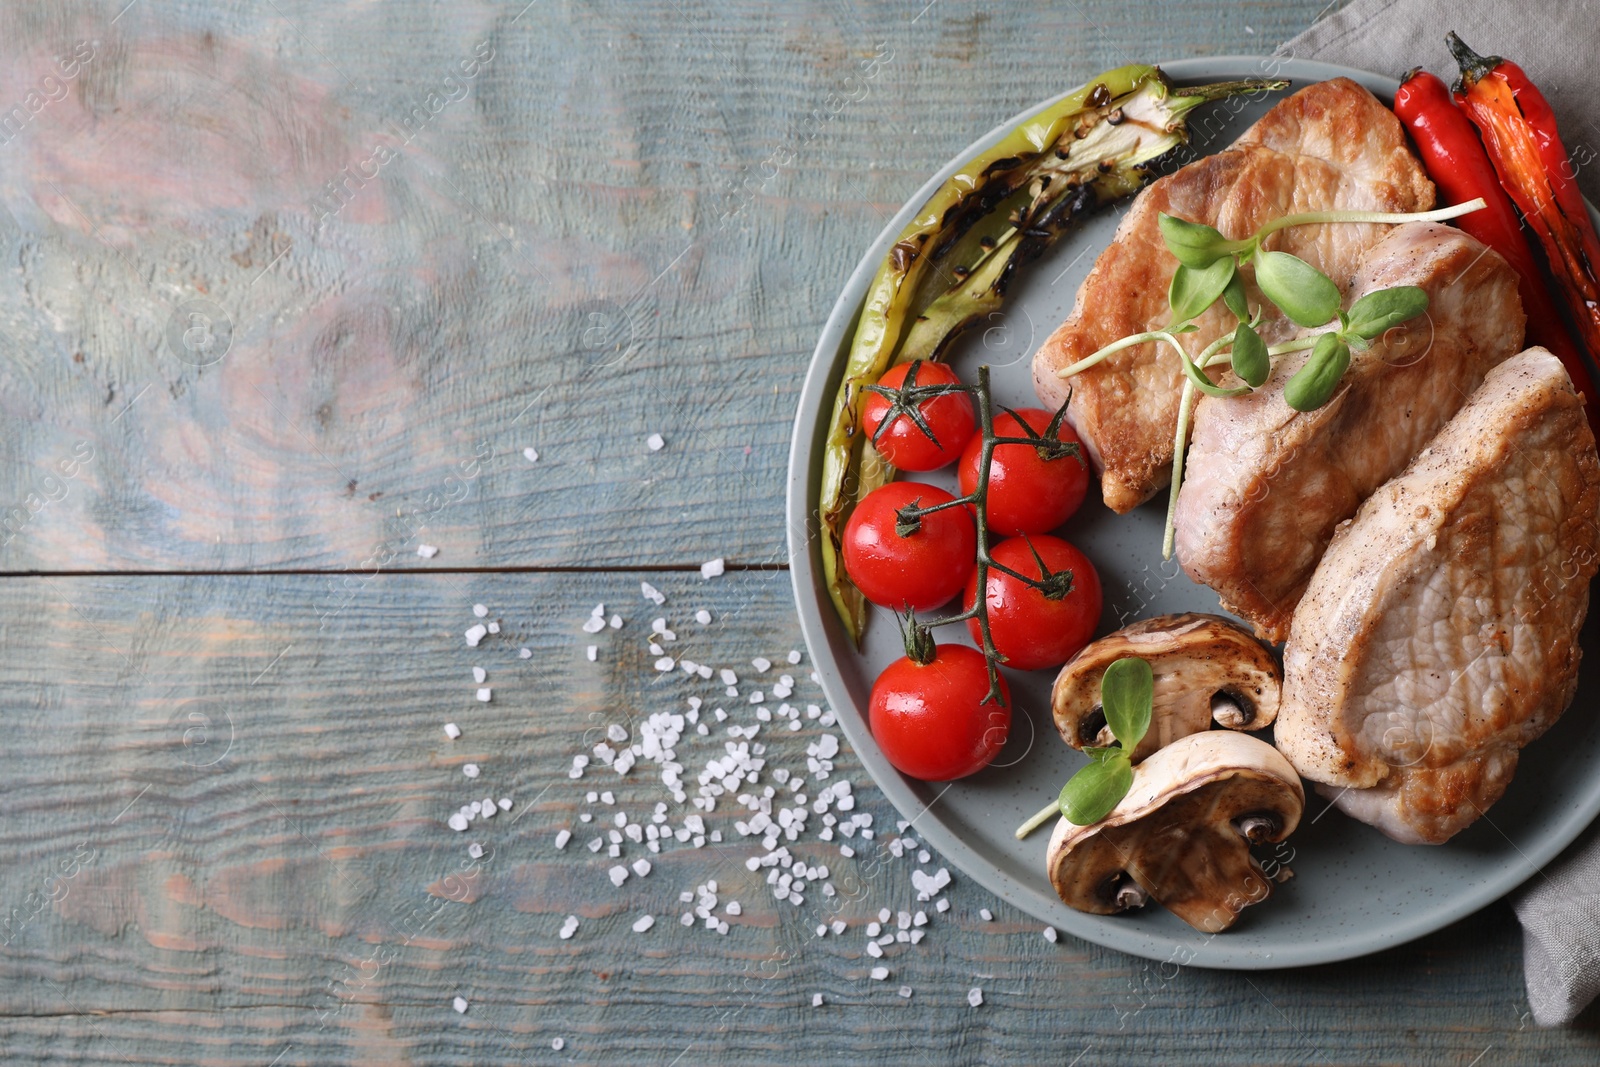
(821, 630)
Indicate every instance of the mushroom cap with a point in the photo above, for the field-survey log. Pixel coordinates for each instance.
(1206, 668)
(1175, 834)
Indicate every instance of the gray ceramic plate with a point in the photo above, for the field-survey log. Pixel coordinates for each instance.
(1355, 891)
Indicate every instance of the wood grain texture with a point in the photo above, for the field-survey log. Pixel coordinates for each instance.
(274, 877)
(633, 218)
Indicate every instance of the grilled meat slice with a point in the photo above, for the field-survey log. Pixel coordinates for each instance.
(1439, 634)
(1331, 145)
(1265, 485)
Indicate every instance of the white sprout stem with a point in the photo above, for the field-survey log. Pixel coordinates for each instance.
(1299, 344)
(1180, 442)
(1038, 820)
(1311, 217)
(1117, 346)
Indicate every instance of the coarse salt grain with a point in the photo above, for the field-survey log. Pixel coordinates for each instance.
(427, 551)
(476, 634)
(651, 593)
(816, 1000)
(655, 442)
(641, 867)
(458, 822)
(460, 1004)
(505, 803)
(703, 617)
(592, 652)
(484, 694)
(452, 731)
(619, 874)
(480, 610)
(593, 624)
(479, 675)
(1050, 934)
(880, 973)
(761, 664)
(645, 922)
(712, 568)
(558, 1043)
(794, 655)
(475, 850)
(562, 838)
(905, 991)
(470, 770)
(975, 996)
(986, 914)
(530, 454)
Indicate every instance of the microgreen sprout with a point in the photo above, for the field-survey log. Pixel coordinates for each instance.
(1127, 690)
(1210, 268)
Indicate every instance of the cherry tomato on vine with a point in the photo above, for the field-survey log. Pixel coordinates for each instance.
(931, 720)
(1028, 493)
(948, 418)
(919, 570)
(1030, 628)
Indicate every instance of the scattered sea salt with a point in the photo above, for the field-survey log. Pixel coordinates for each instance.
(470, 770)
(712, 568)
(452, 731)
(975, 996)
(460, 1004)
(530, 454)
(880, 973)
(427, 551)
(1050, 934)
(703, 617)
(656, 442)
(476, 634)
(645, 922)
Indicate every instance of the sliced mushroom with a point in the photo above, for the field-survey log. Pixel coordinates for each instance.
(1183, 833)
(1206, 669)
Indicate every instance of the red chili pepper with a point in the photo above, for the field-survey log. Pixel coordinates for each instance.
(1519, 131)
(1459, 166)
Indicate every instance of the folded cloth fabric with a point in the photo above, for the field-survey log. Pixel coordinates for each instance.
(1560, 908)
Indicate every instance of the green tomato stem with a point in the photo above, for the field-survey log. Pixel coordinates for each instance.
(1053, 808)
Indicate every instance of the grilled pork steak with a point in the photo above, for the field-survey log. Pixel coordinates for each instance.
(1439, 634)
(1265, 485)
(1331, 145)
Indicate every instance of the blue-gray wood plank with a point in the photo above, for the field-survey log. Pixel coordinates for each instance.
(223, 794)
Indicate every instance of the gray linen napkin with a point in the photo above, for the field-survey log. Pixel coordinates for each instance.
(1554, 41)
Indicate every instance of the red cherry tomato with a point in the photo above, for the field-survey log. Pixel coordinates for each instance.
(1027, 493)
(949, 416)
(1028, 628)
(920, 571)
(930, 719)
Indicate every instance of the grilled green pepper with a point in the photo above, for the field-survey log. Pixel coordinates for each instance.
(1092, 147)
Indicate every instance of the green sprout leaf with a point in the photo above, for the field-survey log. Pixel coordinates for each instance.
(1193, 243)
(1090, 794)
(1194, 289)
(1126, 692)
(1198, 378)
(1377, 312)
(1303, 292)
(1233, 296)
(1313, 384)
(1250, 360)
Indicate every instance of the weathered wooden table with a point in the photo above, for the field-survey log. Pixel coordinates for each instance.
(288, 289)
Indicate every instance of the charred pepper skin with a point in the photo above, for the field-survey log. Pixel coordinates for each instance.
(1456, 161)
(1519, 133)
